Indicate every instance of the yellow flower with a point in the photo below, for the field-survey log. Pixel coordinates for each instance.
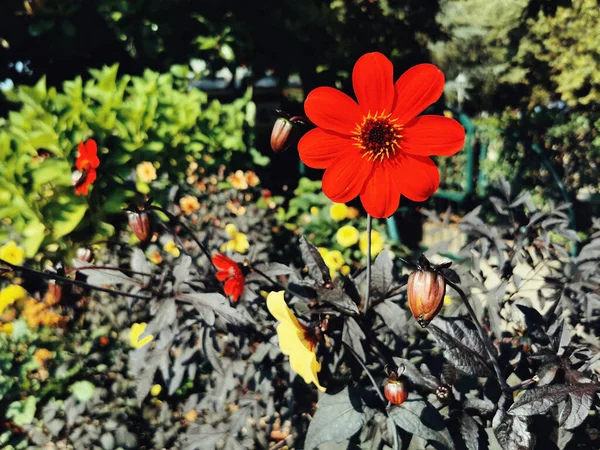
(146, 172)
(338, 211)
(347, 236)
(42, 355)
(189, 204)
(334, 260)
(11, 294)
(156, 389)
(252, 179)
(7, 328)
(137, 329)
(352, 213)
(323, 252)
(448, 114)
(12, 254)
(376, 243)
(238, 180)
(294, 340)
(345, 270)
(239, 241)
(171, 248)
(314, 210)
(191, 416)
(447, 300)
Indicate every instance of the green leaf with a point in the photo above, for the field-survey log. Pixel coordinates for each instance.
(83, 390)
(419, 417)
(69, 212)
(338, 417)
(51, 170)
(22, 412)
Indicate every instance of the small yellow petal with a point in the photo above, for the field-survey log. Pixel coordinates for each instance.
(231, 230)
(338, 211)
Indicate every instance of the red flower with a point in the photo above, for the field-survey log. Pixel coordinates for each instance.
(230, 271)
(378, 148)
(86, 164)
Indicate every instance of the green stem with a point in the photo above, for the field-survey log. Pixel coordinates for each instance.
(368, 294)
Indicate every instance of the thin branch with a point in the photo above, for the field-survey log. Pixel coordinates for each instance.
(484, 337)
(55, 277)
(369, 374)
(277, 283)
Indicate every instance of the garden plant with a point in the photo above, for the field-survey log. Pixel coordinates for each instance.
(159, 291)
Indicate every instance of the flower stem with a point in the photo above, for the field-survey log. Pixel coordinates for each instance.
(369, 374)
(484, 337)
(369, 224)
(173, 218)
(55, 277)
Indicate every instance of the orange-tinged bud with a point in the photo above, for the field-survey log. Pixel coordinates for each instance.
(140, 225)
(280, 136)
(394, 391)
(426, 290)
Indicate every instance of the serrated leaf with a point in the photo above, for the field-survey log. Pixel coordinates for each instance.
(353, 336)
(270, 269)
(218, 303)
(139, 263)
(417, 416)
(414, 375)
(470, 432)
(317, 268)
(337, 298)
(512, 432)
(393, 316)
(462, 345)
(575, 410)
(181, 272)
(204, 436)
(338, 417)
(101, 277)
(381, 275)
(540, 399)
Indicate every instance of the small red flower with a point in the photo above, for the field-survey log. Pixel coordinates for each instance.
(86, 164)
(378, 148)
(230, 271)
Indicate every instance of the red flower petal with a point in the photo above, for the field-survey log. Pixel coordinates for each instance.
(381, 195)
(332, 109)
(231, 287)
(319, 148)
(92, 153)
(373, 82)
(419, 87)
(223, 275)
(345, 177)
(222, 262)
(432, 135)
(420, 177)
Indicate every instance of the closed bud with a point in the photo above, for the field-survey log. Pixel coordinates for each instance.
(280, 136)
(426, 290)
(140, 225)
(85, 254)
(394, 391)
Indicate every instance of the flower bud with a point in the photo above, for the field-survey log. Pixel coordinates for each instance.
(426, 290)
(394, 391)
(280, 136)
(140, 225)
(85, 254)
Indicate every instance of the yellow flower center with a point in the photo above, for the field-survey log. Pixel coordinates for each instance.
(378, 136)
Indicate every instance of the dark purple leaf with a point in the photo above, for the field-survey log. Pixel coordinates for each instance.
(394, 317)
(575, 410)
(462, 345)
(317, 268)
(353, 336)
(381, 276)
(540, 399)
(473, 435)
(512, 432)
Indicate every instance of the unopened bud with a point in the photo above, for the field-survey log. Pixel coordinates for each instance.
(140, 225)
(394, 391)
(280, 136)
(85, 254)
(426, 290)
